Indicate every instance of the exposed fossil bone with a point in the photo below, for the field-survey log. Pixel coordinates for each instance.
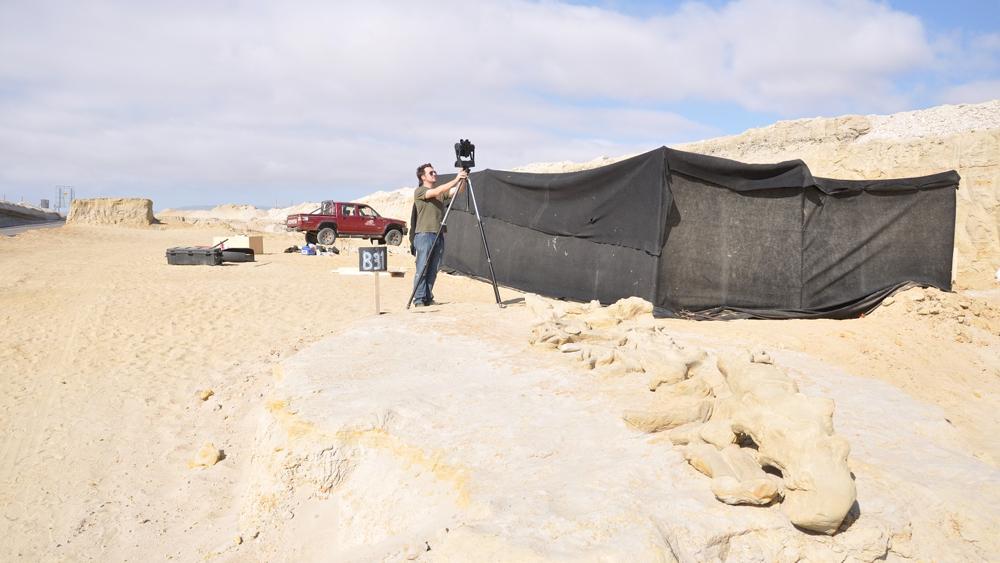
(732, 416)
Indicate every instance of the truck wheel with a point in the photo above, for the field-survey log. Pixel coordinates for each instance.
(394, 237)
(326, 236)
(310, 238)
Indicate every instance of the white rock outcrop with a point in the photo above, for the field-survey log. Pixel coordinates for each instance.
(248, 218)
(238, 218)
(712, 411)
(964, 137)
(130, 212)
(484, 448)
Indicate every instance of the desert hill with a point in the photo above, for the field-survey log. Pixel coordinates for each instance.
(965, 138)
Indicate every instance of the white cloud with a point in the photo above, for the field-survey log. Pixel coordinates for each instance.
(258, 95)
(972, 92)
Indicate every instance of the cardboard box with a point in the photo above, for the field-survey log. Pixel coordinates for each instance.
(253, 242)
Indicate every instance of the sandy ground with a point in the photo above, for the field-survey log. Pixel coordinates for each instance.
(104, 349)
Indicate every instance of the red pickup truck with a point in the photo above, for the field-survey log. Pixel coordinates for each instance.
(335, 219)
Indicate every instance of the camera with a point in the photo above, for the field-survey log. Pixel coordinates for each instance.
(465, 154)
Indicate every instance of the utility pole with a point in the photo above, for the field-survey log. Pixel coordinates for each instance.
(64, 197)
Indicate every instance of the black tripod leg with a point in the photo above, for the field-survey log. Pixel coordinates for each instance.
(486, 247)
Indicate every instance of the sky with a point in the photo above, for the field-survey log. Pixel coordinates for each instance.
(196, 103)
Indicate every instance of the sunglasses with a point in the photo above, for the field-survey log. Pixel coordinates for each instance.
(432, 173)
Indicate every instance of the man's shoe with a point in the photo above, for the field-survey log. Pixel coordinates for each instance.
(419, 304)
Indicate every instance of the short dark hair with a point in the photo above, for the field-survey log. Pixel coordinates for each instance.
(420, 172)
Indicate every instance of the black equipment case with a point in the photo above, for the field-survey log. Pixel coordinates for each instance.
(195, 256)
(237, 255)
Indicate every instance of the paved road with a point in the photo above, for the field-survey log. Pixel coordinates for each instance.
(12, 231)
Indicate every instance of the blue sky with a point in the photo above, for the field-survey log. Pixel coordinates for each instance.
(199, 103)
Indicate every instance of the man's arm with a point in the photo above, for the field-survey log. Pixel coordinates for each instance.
(443, 189)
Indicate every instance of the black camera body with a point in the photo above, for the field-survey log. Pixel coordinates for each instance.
(465, 154)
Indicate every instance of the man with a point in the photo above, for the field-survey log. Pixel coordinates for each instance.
(430, 202)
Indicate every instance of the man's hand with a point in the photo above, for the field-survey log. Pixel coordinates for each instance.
(461, 180)
(456, 184)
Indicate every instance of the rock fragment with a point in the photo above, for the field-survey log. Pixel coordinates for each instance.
(206, 456)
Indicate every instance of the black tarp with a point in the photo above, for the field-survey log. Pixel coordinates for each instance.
(708, 237)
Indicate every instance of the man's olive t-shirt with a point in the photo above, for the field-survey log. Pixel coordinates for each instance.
(429, 211)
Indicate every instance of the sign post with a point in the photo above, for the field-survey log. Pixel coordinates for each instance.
(374, 259)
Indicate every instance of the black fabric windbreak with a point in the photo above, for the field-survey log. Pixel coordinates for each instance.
(707, 237)
(619, 204)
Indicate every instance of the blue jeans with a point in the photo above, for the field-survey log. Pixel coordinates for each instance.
(425, 287)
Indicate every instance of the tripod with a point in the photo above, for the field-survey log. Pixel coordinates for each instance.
(486, 247)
